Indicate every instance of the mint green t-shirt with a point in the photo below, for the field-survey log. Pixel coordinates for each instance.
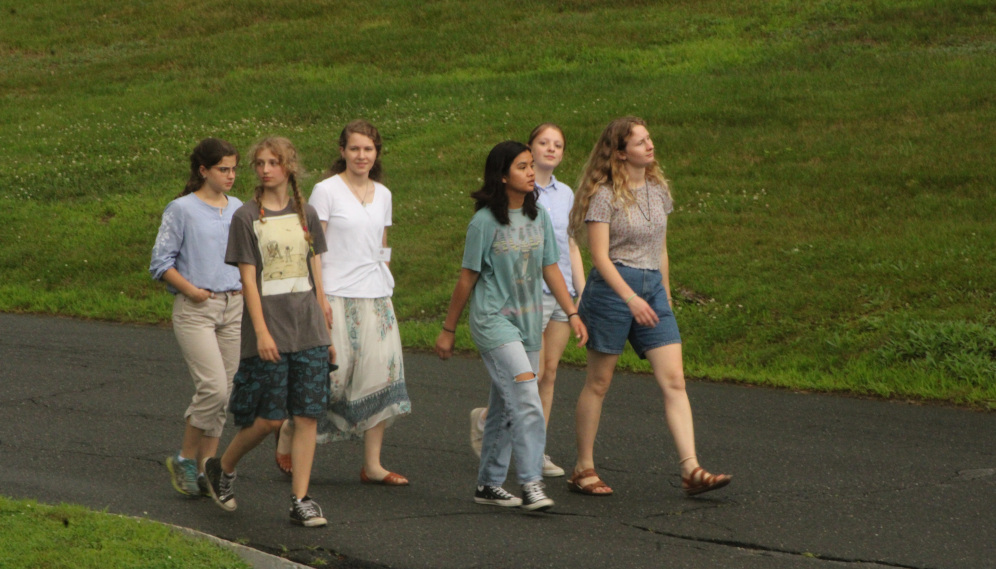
(507, 302)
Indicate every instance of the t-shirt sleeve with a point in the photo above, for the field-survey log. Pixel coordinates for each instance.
(389, 209)
(551, 251)
(315, 228)
(241, 241)
(600, 206)
(321, 200)
(168, 241)
(668, 201)
(474, 247)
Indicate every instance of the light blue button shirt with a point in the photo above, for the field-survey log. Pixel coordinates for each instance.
(558, 199)
(193, 239)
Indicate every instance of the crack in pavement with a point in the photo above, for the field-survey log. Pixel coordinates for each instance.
(16, 448)
(32, 399)
(759, 547)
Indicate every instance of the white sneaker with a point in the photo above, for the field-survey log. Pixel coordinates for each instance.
(551, 470)
(476, 432)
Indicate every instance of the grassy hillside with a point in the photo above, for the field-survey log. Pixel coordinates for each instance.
(832, 161)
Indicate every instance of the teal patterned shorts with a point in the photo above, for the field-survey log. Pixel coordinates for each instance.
(298, 384)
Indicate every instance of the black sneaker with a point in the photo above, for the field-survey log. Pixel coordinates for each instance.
(220, 484)
(496, 496)
(534, 498)
(305, 512)
(202, 486)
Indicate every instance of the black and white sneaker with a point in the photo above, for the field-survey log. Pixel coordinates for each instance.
(220, 484)
(305, 512)
(496, 496)
(534, 499)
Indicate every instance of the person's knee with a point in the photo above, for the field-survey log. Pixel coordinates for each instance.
(673, 382)
(549, 376)
(269, 424)
(523, 377)
(598, 385)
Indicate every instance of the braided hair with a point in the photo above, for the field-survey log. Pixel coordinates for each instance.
(288, 158)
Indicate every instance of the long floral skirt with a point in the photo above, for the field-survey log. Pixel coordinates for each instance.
(369, 386)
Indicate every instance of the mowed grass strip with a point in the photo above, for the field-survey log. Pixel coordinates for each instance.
(831, 160)
(40, 536)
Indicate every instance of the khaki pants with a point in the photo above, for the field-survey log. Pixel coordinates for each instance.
(209, 334)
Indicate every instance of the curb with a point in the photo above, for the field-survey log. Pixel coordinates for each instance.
(254, 557)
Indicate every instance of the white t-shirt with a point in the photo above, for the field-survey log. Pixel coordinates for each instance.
(355, 237)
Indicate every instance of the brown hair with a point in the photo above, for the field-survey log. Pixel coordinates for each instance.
(358, 126)
(539, 130)
(208, 153)
(604, 168)
(288, 158)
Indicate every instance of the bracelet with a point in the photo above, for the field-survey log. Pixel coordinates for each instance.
(630, 298)
(572, 314)
(450, 331)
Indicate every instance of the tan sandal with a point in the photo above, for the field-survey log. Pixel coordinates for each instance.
(574, 483)
(700, 481)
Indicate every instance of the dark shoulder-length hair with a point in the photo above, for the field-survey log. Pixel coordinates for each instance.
(492, 193)
(207, 153)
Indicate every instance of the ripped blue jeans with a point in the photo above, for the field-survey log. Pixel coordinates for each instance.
(515, 417)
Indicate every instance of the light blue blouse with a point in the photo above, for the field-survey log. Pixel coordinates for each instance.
(558, 199)
(193, 239)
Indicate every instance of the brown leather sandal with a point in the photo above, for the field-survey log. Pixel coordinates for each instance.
(700, 481)
(392, 479)
(574, 483)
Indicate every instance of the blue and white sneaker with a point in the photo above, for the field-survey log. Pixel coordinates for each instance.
(183, 475)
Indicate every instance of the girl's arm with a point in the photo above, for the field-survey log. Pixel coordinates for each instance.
(173, 277)
(598, 241)
(555, 280)
(316, 270)
(666, 272)
(577, 267)
(461, 294)
(250, 294)
(383, 243)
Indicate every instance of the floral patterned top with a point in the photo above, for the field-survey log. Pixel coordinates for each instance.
(636, 232)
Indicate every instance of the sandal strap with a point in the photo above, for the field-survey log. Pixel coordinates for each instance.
(588, 473)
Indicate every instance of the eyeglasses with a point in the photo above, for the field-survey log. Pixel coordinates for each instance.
(226, 170)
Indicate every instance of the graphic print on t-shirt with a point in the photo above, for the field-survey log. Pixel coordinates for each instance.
(285, 254)
(521, 245)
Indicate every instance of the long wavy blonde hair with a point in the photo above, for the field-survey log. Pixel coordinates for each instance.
(604, 168)
(287, 155)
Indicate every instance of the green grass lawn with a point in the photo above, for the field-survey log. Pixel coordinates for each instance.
(832, 161)
(39, 536)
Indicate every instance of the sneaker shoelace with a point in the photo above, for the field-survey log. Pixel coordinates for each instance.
(225, 484)
(308, 509)
(501, 493)
(534, 490)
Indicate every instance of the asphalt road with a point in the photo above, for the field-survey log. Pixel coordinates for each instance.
(89, 411)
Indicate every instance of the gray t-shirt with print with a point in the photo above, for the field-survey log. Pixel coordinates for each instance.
(280, 253)
(637, 231)
(507, 302)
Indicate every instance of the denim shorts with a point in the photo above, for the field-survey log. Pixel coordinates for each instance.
(298, 384)
(610, 322)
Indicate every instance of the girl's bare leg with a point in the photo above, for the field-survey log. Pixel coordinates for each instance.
(589, 409)
(303, 454)
(668, 371)
(555, 340)
(245, 440)
(373, 440)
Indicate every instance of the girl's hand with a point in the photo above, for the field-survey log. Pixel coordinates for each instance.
(199, 295)
(267, 348)
(644, 315)
(326, 310)
(580, 330)
(444, 344)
